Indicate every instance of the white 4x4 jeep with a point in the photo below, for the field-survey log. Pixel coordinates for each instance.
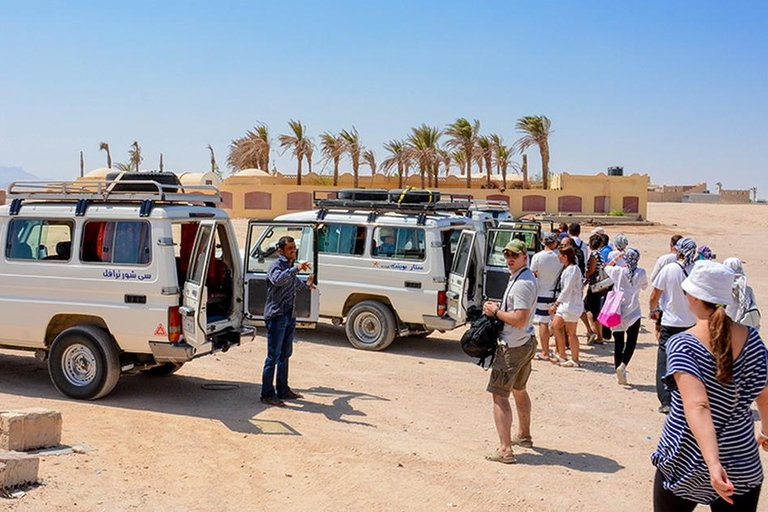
(103, 278)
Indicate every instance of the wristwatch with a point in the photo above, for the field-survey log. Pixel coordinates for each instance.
(495, 313)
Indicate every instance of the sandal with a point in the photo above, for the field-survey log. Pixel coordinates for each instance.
(570, 364)
(557, 359)
(541, 357)
(591, 338)
(503, 457)
(525, 442)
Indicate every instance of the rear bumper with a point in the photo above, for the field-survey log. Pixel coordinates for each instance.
(439, 323)
(166, 352)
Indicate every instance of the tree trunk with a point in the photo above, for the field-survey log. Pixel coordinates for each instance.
(436, 173)
(335, 171)
(468, 156)
(422, 171)
(355, 168)
(399, 174)
(525, 171)
(298, 172)
(82, 164)
(109, 158)
(161, 162)
(504, 174)
(544, 147)
(488, 169)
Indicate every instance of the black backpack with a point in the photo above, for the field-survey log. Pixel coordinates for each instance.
(481, 339)
(580, 257)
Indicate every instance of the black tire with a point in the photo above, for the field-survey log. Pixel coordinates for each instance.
(163, 370)
(370, 325)
(84, 362)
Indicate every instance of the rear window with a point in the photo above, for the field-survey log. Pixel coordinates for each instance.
(399, 243)
(124, 242)
(39, 240)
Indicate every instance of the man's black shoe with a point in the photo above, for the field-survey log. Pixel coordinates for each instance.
(292, 395)
(272, 400)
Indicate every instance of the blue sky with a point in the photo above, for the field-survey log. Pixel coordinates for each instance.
(673, 89)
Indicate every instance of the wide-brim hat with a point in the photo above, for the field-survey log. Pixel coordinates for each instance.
(711, 282)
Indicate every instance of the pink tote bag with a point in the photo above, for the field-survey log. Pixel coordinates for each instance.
(610, 314)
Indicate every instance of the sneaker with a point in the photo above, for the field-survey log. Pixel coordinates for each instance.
(621, 374)
(525, 442)
(664, 409)
(272, 400)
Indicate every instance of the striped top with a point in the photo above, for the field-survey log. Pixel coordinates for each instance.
(678, 456)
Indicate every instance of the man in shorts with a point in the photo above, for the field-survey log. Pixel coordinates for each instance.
(546, 267)
(517, 346)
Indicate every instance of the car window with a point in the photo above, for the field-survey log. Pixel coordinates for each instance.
(341, 239)
(399, 243)
(39, 240)
(124, 242)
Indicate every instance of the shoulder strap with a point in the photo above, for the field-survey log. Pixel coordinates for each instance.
(682, 268)
(504, 304)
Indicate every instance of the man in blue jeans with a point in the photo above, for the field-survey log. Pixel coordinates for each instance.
(282, 285)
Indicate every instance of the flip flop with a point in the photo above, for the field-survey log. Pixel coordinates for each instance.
(570, 364)
(503, 457)
(557, 359)
(541, 357)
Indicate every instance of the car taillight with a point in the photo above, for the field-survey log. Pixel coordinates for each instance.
(442, 303)
(174, 324)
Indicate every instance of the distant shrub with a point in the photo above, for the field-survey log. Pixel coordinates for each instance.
(616, 212)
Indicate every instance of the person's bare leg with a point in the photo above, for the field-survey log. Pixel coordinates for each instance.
(523, 405)
(502, 416)
(544, 339)
(598, 328)
(585, 320)
(570, 329)
(558, 326)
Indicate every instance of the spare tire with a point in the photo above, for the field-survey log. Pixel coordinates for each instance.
(414, 196)
(363, 194)
(163, 178)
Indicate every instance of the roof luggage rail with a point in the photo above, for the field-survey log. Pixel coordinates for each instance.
(457, 203)
(84, 192)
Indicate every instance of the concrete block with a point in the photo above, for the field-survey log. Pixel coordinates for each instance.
(18, 469)
(29, 429)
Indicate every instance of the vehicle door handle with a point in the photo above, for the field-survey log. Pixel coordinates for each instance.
(186, 311)
(452, 295)
(413, 284)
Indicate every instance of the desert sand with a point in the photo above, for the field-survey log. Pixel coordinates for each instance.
(404, 429)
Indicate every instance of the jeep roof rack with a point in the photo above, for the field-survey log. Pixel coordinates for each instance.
(84, 192)
(456, 203)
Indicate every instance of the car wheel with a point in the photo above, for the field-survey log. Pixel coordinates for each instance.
(370, 325)
(163, 369)
(84, 362)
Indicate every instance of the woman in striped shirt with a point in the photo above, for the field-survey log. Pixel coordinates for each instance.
(716, 369)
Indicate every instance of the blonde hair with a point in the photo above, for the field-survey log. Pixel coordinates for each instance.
(720, 335)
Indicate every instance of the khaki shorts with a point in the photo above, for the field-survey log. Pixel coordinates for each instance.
(511, 368)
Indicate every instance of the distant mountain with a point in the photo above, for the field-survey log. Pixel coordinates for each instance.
(9, 174)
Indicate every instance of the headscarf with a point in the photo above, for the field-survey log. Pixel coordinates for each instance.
(740, 283)
(631, 257)
(705, 253)
(620, 242)
(686, 248)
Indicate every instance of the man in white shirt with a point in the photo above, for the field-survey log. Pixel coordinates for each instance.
(517, 346)
(574, 230)
(670, 257)
(669, 300)
(546, 266)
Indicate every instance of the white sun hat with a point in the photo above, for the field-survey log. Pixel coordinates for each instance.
(711, 282)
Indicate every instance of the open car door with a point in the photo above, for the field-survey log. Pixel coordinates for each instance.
(462, 280)
(496, 273)
(262, 252)
(195, 300)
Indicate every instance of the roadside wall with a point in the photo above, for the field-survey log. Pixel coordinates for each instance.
(266, 196)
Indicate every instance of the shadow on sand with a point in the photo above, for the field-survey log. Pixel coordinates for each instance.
(234, 403)
(585, 462)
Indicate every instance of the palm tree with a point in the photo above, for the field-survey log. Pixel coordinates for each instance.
(332, 148)
(460, 158)
(134, 156)
(82, 164)
(719, 186)
(536, 130)
(754, 194)
(503, 156)
(462, 135)
(214, 165)
(297, 142)
(485, 150)
(353, 147)
(423, 143)
(250, 151)
(369, 158)
(444, 157)
(105, 147)
(161, 162)
(400, 157)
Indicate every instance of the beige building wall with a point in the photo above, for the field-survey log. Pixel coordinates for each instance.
(256, 194)
(735, 196)
(674, 193)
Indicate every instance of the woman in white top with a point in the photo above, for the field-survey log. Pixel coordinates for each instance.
(567, 308)
(628, 279)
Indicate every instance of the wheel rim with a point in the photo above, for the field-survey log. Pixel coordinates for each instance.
(368, 328)
(79, 365)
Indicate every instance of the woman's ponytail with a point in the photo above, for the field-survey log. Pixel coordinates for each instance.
(720, 336)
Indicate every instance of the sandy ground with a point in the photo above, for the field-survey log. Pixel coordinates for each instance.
(404, 429)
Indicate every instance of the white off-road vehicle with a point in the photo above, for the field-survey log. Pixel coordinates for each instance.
(103, 278)
(388, 267)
